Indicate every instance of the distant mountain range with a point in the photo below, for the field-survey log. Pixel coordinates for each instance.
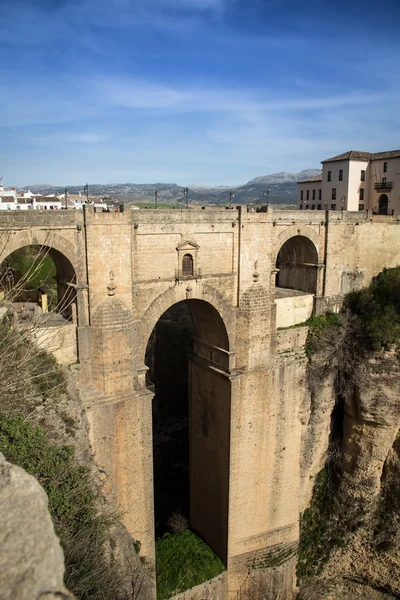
(282, 189)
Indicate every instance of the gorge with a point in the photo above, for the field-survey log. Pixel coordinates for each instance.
(258, 432)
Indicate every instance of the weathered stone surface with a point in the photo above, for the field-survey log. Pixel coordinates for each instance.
(137, 579)
(368, 566)
(31, 558)
(214, 589)
(341, 590)
(234, 274)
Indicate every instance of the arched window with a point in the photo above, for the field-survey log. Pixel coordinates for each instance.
(187, 265)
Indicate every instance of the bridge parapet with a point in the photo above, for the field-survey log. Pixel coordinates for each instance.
(38, 218)
(184, 216)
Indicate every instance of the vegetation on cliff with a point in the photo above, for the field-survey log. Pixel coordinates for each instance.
(370, 317)
(78, 522)
(319, 531)
(354, 513)
(37, 415)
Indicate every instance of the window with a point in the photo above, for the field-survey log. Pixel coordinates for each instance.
(308, 194)
(319, 207)
(187, 265)
(362, 175)
(385, 167)
(301, 195)
(313, 207)
(307, 207)
(329, 175)
(333, 206)
(333, 193)
(313, 194)
(361, 193)
(361, 207)
(319, 194)
(301, 207)
(340, 174)
(384, 179)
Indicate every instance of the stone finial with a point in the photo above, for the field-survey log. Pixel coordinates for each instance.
(111, 287)
(256, 274)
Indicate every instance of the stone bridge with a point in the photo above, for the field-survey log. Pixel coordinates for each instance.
(242, 276)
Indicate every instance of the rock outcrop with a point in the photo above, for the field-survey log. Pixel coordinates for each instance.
(368, 497)
(31, 558)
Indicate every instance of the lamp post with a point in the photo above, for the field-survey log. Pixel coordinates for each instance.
(86, 191)
(231, 197)
(66, 197)
(342, 201)
(265, 194)
(186, 193)
(156, 196)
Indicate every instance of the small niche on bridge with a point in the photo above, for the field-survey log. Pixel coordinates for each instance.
(187, 356)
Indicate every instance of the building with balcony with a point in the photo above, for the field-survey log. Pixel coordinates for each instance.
(354, 181)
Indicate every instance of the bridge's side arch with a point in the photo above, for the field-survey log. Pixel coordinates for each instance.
(208, 408)
(62, 253)
(15, 240)
(297, 262)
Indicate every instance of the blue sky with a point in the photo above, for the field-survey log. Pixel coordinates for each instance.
(192, 91)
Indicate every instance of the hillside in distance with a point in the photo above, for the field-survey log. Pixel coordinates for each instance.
(282, 189)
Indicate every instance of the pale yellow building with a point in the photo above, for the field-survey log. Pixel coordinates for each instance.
(354, 181)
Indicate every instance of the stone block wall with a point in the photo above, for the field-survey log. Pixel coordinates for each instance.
(253, 430)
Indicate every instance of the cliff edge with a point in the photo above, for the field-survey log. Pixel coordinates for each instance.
(31, 558)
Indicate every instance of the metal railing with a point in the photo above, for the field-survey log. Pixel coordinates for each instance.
(383, 185)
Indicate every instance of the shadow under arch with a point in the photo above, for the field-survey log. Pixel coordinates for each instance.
(297, 264)
(188, 360)
(28, 285)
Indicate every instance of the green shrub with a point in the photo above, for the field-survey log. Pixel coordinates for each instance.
(378, 307)
(184, 560)
(320, 326)
(81, 527)
(319, 532)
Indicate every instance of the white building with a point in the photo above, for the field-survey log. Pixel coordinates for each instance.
(354, 181)
(13, 200)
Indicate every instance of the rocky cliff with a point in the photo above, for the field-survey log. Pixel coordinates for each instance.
(354, 519)
(31, 558)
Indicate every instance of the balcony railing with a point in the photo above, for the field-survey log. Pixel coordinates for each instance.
(383, 185)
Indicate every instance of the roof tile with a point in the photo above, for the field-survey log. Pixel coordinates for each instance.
(311, 179)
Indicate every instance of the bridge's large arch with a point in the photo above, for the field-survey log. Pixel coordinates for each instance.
(297, 263)
(188, 360)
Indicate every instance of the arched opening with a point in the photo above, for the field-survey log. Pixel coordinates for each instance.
(187, 266)
(40, 280)
(383, 204)
(297, 263)
(188, 360)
